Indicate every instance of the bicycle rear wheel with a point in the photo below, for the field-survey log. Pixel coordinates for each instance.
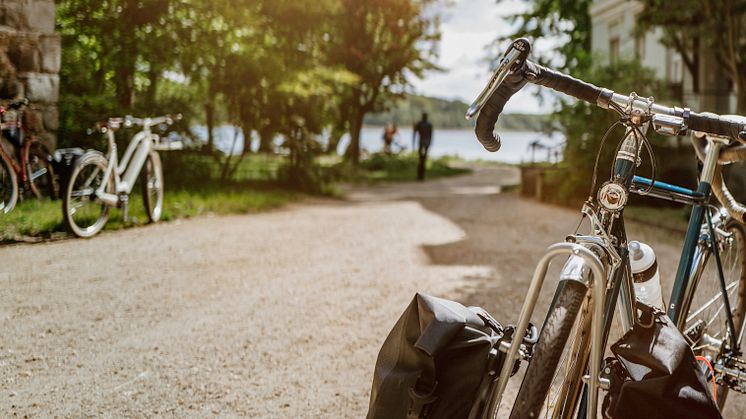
(545, 390)
(8, 187)
(706, 325)
(151, 179)
(84, 214)
(41, 179)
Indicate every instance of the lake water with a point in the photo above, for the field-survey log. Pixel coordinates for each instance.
(516, 145)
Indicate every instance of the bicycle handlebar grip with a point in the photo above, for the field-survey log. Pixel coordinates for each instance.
(543, 76)
(485, 128)
(715, 124)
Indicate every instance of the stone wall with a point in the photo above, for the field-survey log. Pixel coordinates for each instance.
(30, 55)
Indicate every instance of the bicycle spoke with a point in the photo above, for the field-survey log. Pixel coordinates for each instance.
(91, 177)
(709, 303)
(84, 192)
(39, 173)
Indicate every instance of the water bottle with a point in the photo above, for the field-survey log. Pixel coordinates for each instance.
(645, 274)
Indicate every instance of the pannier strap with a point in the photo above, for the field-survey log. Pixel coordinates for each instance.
(419, 403)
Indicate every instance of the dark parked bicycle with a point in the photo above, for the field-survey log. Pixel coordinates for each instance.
(28, 170)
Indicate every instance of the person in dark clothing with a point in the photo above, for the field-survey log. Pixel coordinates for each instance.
(423, 129)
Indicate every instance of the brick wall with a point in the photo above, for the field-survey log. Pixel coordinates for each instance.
(30, 54)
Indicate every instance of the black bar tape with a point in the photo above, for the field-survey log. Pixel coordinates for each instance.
(485, 129)
(538, 74)
(714, 124)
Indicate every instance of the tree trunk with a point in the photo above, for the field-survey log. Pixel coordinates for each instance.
(246, 140)
(265, 140)
(125, 65)
(210, 121)
(334, 138)
(150, 95)
(741, 98)
(356, 125)
(124, 78)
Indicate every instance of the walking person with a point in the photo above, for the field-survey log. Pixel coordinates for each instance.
(388, 137)
(423, 129)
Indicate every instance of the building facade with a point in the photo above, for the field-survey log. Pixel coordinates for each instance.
(614, 37)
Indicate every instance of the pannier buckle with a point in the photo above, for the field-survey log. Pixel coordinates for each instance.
(419, 403)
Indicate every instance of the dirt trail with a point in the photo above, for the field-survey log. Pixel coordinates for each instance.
(270, 315)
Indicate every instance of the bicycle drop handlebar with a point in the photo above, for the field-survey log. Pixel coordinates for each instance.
(509, 79)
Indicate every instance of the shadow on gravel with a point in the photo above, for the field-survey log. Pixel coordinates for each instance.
(505, 233)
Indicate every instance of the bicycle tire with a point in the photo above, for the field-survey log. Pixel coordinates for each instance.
(151, 179)
(8, 186)
(739, 306)
(44, 185)
(554, 336)
(93, 161)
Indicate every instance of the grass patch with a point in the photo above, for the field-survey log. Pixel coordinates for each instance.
(43, 219)
(380, 168)
(193, 188)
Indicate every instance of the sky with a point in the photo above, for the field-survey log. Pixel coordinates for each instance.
(467, 29)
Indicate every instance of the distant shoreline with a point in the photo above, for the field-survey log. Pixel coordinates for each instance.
(510, 128)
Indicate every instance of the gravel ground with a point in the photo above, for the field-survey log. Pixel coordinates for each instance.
(274, 315)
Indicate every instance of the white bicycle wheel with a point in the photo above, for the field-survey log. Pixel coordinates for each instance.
(84, 214)
(151, 179)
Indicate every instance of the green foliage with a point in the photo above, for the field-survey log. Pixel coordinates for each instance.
(383, 43)
(566, 21)
(275, 67)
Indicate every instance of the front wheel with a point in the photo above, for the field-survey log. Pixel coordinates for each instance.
(8, 186)
(546, 390)
(85, 215)
(151, 179)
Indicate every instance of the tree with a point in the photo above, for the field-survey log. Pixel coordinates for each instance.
(383, 43)
(567, 21)
(693, 27)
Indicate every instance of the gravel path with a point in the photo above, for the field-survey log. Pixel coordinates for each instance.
(275, 315)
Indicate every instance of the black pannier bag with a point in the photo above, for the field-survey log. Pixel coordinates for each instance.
(63, 161)
(439, 361)
(655, 374)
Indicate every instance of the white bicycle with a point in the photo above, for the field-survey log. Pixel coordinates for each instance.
(99, 182)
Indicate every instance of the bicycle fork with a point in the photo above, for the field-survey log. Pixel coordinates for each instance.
(581, 256)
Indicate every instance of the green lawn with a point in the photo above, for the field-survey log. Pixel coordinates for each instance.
(402, 168)
(43, 219)
(192, 189)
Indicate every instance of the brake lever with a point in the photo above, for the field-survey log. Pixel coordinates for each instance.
(512, 60)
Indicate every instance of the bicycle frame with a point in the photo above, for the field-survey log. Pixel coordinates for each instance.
(125, 172)
(19, 166)
(603, 257)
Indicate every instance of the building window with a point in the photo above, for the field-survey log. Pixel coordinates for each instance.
(640, 47)
(614, 49)
(676, 69)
